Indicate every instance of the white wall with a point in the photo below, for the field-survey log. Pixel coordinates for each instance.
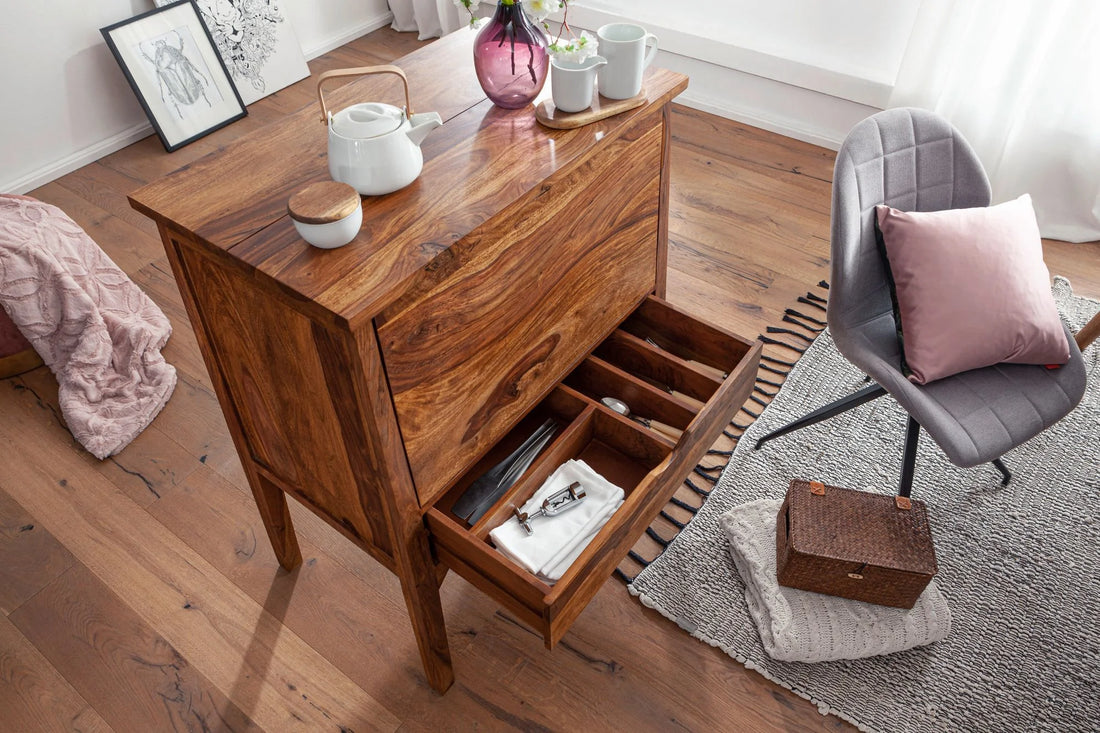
(805, 68)
(65, 100)
(809, 69)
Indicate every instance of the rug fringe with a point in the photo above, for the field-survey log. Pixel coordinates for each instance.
(775, 364)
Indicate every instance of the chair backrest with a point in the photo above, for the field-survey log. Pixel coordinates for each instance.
(911, 159)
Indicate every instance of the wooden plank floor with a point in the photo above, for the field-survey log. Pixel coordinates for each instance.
(140, 594)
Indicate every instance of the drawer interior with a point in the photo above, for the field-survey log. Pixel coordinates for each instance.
(623, 452)
(618, 449)
(652, 363)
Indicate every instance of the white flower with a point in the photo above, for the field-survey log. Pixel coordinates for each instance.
(539, 9)
(574, 49)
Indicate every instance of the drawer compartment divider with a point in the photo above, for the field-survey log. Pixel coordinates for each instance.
(659, 366)
(689, 356)
(596, 379)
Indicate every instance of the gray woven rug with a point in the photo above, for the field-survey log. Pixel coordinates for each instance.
(1018, 565)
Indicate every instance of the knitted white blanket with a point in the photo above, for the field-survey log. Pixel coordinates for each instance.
(800, 626)
(97, 331)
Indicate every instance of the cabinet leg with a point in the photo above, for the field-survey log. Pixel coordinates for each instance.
(418, 583)
(276, 517)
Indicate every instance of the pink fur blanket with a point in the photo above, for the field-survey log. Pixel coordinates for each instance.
(97, 331)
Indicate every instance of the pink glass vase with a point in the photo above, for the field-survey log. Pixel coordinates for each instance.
(510, 57)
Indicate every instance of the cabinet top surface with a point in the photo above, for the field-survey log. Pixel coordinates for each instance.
(479, 162)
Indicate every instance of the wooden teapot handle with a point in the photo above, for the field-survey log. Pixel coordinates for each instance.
(360, 71)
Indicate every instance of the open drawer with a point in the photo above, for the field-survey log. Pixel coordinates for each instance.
(668, 367)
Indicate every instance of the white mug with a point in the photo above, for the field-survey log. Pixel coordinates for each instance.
(572, 83)
(624, 47)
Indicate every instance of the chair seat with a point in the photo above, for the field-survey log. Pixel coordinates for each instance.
(979, 415)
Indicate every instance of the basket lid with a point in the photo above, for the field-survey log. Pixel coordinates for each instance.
(860, 527)
(323, 203)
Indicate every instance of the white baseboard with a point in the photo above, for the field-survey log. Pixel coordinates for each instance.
(802, 114)
(349, 35)
(808, 103)
(80, 158)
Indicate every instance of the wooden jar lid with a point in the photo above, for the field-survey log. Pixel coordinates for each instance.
(323, 203)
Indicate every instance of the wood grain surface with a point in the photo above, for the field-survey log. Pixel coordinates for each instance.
(323, 203)
(480, 162)
(748, 233)
(235, 643)
(34, 695)
(143, 682)
(553, 275)
(302, 384)
(32, 557)
(548, 114)
(1089, 332)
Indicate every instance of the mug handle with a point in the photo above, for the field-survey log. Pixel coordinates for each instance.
(652, 53)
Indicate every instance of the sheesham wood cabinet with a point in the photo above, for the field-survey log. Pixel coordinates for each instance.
(518, 279)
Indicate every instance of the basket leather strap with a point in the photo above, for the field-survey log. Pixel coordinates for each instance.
(902, 502)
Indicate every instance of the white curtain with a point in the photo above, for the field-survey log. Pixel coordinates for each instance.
(431, 18)
(1021, 80)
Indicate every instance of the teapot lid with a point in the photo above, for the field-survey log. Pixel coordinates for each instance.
(369, 119)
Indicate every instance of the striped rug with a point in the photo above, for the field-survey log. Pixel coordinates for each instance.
(1018, 564)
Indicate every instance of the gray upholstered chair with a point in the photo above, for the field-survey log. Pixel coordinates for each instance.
(914, 160)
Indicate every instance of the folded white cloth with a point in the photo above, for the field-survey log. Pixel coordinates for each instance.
(560, 539)
(800, 626)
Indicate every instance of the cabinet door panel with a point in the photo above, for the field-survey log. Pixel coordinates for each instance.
(284, 379)
(519, 303)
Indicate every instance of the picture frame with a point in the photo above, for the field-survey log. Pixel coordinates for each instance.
(170, 61)
(256, 43)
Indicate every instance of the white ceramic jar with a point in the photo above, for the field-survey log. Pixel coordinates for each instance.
(327, 214)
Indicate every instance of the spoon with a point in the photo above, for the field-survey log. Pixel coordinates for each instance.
(621, 407)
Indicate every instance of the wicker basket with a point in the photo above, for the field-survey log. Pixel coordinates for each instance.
(854, 544)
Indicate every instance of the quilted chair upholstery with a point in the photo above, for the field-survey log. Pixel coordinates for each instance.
(914, 160)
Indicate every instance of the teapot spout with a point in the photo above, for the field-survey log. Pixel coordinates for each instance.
(421, 125)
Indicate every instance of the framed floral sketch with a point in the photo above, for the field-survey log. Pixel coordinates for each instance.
(169, 59)
(256, 43)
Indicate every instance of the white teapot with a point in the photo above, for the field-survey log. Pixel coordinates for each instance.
(372, 146)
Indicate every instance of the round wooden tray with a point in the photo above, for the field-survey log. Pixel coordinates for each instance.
(548, 114)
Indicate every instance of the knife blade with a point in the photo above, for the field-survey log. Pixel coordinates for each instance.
(483, 492)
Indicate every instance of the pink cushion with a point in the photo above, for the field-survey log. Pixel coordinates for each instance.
(972, 289)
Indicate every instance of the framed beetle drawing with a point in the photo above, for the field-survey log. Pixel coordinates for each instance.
(256, 42)
(170, 62)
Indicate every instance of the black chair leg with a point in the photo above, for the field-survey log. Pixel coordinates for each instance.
(1005, 473)
(823, 413)
(909, 460)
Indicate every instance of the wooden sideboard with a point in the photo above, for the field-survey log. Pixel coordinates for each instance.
(518, 279)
